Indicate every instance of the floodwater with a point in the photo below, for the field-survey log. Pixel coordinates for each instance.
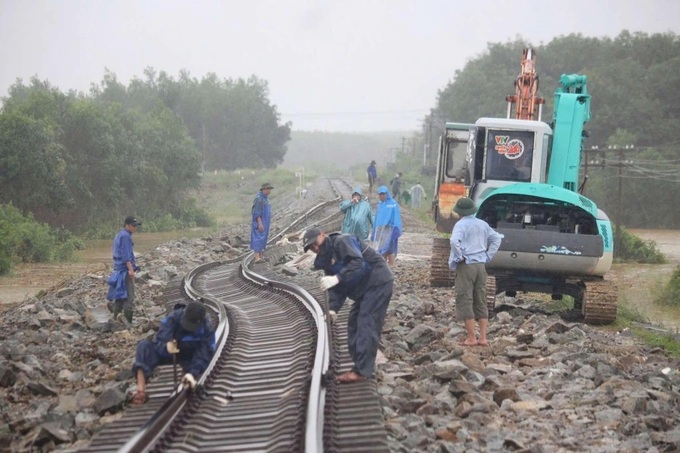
(668, 241)
(27, 279)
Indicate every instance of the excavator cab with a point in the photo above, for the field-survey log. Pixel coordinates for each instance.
(451, 174)
(501, 152)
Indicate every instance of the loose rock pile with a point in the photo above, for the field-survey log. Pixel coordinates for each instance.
(65, 366)
(542, 385)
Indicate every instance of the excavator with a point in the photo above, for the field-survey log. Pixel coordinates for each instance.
(523, 174)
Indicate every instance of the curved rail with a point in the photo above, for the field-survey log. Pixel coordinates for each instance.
(160, 422)
(314, 424)
(154, 428)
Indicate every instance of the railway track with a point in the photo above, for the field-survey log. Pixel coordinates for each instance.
(270, 386)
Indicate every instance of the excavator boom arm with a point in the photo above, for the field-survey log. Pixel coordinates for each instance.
(526, 96)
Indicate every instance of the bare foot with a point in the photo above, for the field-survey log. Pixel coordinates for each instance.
(469, 343)
(140, 398)
(483, 343)
(350, 377)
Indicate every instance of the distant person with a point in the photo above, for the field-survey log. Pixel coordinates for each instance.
(372, 173)
(473, 244)
(121, 294)
(358, 218)
(261, 214)
(387, 226)
(396, 186)
(405, 197)
(417, 192)
(186, 333)
(354, 270)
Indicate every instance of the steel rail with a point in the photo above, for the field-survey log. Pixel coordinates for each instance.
(152, 430)
(317, 393)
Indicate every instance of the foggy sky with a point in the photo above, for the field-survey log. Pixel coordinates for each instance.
(337, 65)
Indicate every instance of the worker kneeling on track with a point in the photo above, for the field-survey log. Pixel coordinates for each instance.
(354, 270)
(186, 336)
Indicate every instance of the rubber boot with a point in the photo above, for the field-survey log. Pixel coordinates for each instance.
(116, 308)
(128, 317)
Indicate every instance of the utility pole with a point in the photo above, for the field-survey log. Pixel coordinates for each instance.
(597, 161)
(617, 234)
(429, 140)
(203, 159)
(403, 143)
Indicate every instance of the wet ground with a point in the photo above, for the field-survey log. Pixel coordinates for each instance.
(27, 280)
(639, 283)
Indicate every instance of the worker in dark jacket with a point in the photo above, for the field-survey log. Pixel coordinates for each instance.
(186, 333)
(354, 270)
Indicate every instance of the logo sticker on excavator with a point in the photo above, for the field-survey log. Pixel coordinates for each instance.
(558, 249)
(511, 149)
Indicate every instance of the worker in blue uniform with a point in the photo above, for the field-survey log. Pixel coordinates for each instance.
(188, 335)
(372, 174)
(121, 294)
(353, 269)
(358, 217)
(261, 213)
(387, 227)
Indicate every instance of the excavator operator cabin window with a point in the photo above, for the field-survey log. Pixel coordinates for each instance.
(509, 155)
(455, 159)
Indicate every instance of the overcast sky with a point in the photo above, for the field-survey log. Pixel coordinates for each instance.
(337, 65)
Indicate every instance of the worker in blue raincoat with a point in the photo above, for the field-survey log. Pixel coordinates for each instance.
(387, 227)
(358, 217)
(261, 220)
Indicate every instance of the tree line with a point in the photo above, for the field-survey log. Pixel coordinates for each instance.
(634, 80)
(82, 161)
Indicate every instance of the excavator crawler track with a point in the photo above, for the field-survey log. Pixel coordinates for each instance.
(491, 294)
(440, 274)
(600, 301)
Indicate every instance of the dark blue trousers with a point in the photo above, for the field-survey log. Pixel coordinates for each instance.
(147, 359)
(364, 326)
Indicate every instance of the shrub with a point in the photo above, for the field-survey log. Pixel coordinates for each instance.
(191, 215)
(633, 248)
(670, 295)
(24, 239)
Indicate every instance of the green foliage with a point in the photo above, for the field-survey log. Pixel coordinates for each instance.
(231, 121)
(84, 162)
(191, 215)
(627, 314)
(23, 239)
(670, 295)
(666, 341)
(633, 248)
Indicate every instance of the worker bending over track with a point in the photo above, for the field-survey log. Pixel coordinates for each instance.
(186, 336)
(354, 270)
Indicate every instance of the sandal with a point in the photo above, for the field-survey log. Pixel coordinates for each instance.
(140, 398)
(350, 377)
